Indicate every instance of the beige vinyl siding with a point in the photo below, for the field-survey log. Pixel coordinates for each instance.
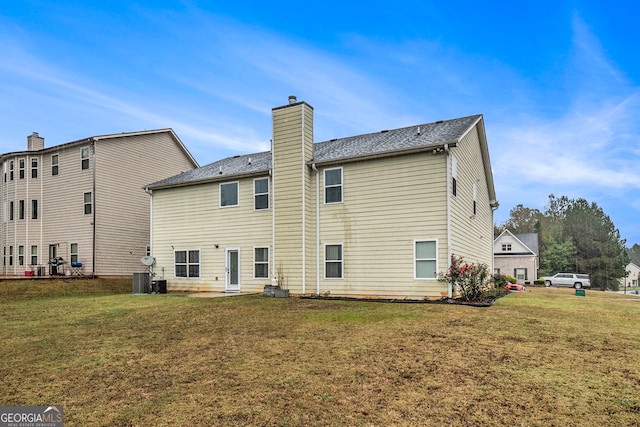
(27, 231)
(292, 148)
(63, 218)
(190, 218)
(387, 205)
(122, 206)
(127, 164)
(471, 236)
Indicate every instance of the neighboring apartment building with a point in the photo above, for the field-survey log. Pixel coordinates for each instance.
(376, 214)
(84, 201)
(516, 255)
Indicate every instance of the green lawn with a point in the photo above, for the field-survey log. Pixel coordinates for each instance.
(540, 358)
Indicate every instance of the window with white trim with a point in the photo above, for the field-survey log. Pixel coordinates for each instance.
(87, 203)
(333, 261)
(261, 193)
(73, 250)
(11, 170)
(454, 176)
(34, 255)
(11, 210)
(34, 209)
(21, 168)
(21, 209)
(54, 164)
(520, 274)
(426, 261)
(20, 255)
(187, 263)
(333, 185)
(10, 255)
(475, 197)
(34, 167)
(506, 247)
(261, 263)
(84, 157)
(229, 194)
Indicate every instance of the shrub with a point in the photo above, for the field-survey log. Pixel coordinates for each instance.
(471, 280)
(500, 280)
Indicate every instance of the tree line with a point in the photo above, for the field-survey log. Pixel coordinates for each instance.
(574, 236)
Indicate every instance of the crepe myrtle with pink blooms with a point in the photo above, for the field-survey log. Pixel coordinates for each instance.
(473, 281)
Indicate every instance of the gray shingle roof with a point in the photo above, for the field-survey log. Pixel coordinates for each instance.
(529, 239)
(388, 142)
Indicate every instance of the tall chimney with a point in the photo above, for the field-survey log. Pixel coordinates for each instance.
(293, 192)
(35, 142)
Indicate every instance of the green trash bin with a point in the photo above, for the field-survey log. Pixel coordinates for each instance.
(580, 292)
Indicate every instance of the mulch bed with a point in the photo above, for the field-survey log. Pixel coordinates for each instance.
(486, 302)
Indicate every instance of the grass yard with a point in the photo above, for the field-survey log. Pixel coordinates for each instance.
(540, 358)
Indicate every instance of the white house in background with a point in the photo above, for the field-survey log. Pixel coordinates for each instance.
(632, 276)
(83, 201)
(516, 255)
(375, 214)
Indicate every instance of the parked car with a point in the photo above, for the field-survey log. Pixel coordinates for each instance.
(514, 287)
(571, 280)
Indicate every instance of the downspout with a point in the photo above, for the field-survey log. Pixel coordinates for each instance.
(448, 165)
(273, 217)
(150, 193)
(304, 212)
(93, 146)
(313, 166)
(41, 203)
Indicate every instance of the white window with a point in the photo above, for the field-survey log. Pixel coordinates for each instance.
(261, 263)
(34, 255)
(21, 168)
(426, 261)
(21, 209)
(333, 185)
(34, 167)
(333, 261)
(187, 263)
(454, 176)
(54, 164)
(261, 193)
(475, 197)
(521, 274)
(11, 170)
(34, 209)
(229, 194)
(74, 252)
(20, 255)
(84, 156)
(87, 203)
(506, 247)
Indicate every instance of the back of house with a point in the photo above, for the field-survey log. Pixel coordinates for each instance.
(375, 214)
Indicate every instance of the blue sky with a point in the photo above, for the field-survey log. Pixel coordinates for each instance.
(558, 82)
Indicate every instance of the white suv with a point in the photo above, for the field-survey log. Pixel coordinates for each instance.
(568, 279)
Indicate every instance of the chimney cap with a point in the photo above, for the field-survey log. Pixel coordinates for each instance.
(292, 99)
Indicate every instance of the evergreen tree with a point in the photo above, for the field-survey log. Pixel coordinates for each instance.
(600, 252)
